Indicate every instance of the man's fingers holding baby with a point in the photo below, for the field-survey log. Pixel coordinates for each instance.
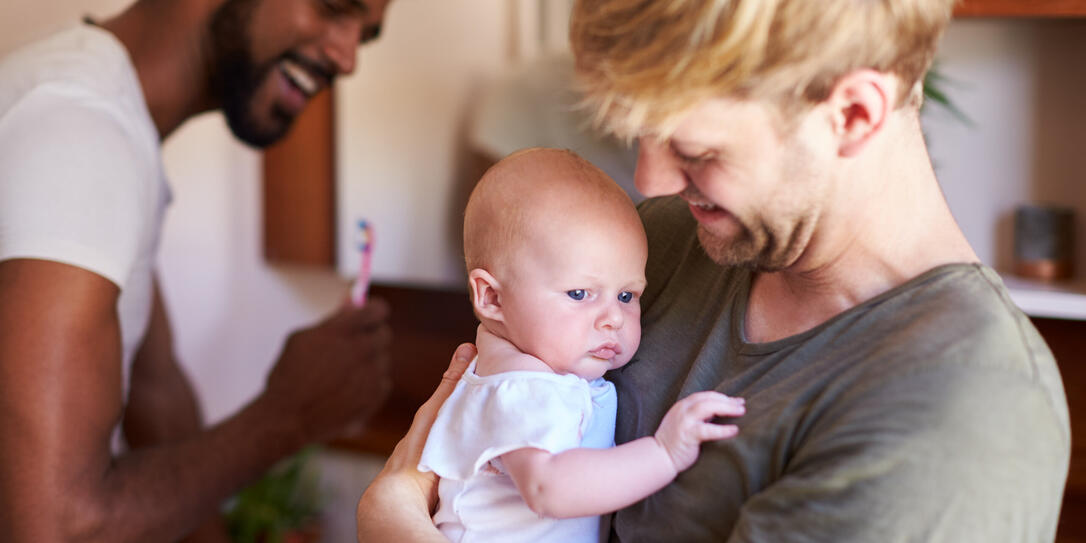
(400, 477)
(461, 359)
(424, 418)
(401, 466)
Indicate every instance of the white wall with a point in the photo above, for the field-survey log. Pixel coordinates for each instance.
(1023, 84)
(400, 120)
(23, 20)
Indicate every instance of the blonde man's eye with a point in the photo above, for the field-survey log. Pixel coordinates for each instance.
(692, 160)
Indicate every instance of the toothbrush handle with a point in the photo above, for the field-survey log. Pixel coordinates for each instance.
(362, 282)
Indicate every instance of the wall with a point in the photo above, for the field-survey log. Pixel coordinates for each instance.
(401, 160)
(399, 119)
(24, 20)
(1022, 84)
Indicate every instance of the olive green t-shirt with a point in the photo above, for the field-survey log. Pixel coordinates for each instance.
(933, 412)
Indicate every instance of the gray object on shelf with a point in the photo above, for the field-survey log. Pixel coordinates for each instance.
(1043, 241)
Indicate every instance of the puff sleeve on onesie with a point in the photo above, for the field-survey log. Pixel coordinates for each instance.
(488, 416)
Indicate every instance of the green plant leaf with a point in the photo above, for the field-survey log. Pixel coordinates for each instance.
(934, 82)
(286, 498)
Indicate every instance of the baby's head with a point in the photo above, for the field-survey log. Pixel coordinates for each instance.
(556, 256)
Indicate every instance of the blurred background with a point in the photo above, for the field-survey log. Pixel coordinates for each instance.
(455, 84)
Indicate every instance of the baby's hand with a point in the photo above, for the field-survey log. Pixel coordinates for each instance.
(687, 424)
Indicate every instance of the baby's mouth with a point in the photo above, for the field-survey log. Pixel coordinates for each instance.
(606, 351)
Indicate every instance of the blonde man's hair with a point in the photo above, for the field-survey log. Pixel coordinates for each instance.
(643, 62)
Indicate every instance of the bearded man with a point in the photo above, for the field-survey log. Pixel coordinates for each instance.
(101, 437)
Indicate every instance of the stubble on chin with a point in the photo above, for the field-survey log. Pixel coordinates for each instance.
(761, 250)
(735, 251)
(237, 77)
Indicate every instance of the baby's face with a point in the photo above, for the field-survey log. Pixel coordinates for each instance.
(573, 296)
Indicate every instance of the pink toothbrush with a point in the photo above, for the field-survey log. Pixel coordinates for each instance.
(365, 248)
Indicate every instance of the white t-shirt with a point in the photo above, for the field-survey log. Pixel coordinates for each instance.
(486, 417)
(81, 176)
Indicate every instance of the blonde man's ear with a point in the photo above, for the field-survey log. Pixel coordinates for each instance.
(485, 295)
(861, 102)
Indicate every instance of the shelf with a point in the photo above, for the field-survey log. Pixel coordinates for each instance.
(1058, 300)
(1021, 8)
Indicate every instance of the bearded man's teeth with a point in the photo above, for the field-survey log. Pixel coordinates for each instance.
(299, 76)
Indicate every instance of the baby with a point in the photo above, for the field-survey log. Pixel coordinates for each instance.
(524, 445)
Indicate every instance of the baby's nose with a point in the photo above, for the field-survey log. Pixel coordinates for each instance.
(611, 317)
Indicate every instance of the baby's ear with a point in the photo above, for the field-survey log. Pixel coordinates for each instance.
(485, 294)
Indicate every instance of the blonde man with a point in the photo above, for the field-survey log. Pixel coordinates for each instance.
(809, 264)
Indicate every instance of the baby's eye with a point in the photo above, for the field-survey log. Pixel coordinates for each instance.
(333, 6)
(625, 297)
(343, 7)
(576, 294)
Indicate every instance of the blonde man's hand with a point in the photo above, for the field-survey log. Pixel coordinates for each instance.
(398, 504)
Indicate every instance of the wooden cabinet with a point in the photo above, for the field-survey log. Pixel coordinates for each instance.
(1021, 8)
(1067, 339)
(299, 190)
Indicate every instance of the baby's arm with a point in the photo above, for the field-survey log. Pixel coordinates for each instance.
(583, 482)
